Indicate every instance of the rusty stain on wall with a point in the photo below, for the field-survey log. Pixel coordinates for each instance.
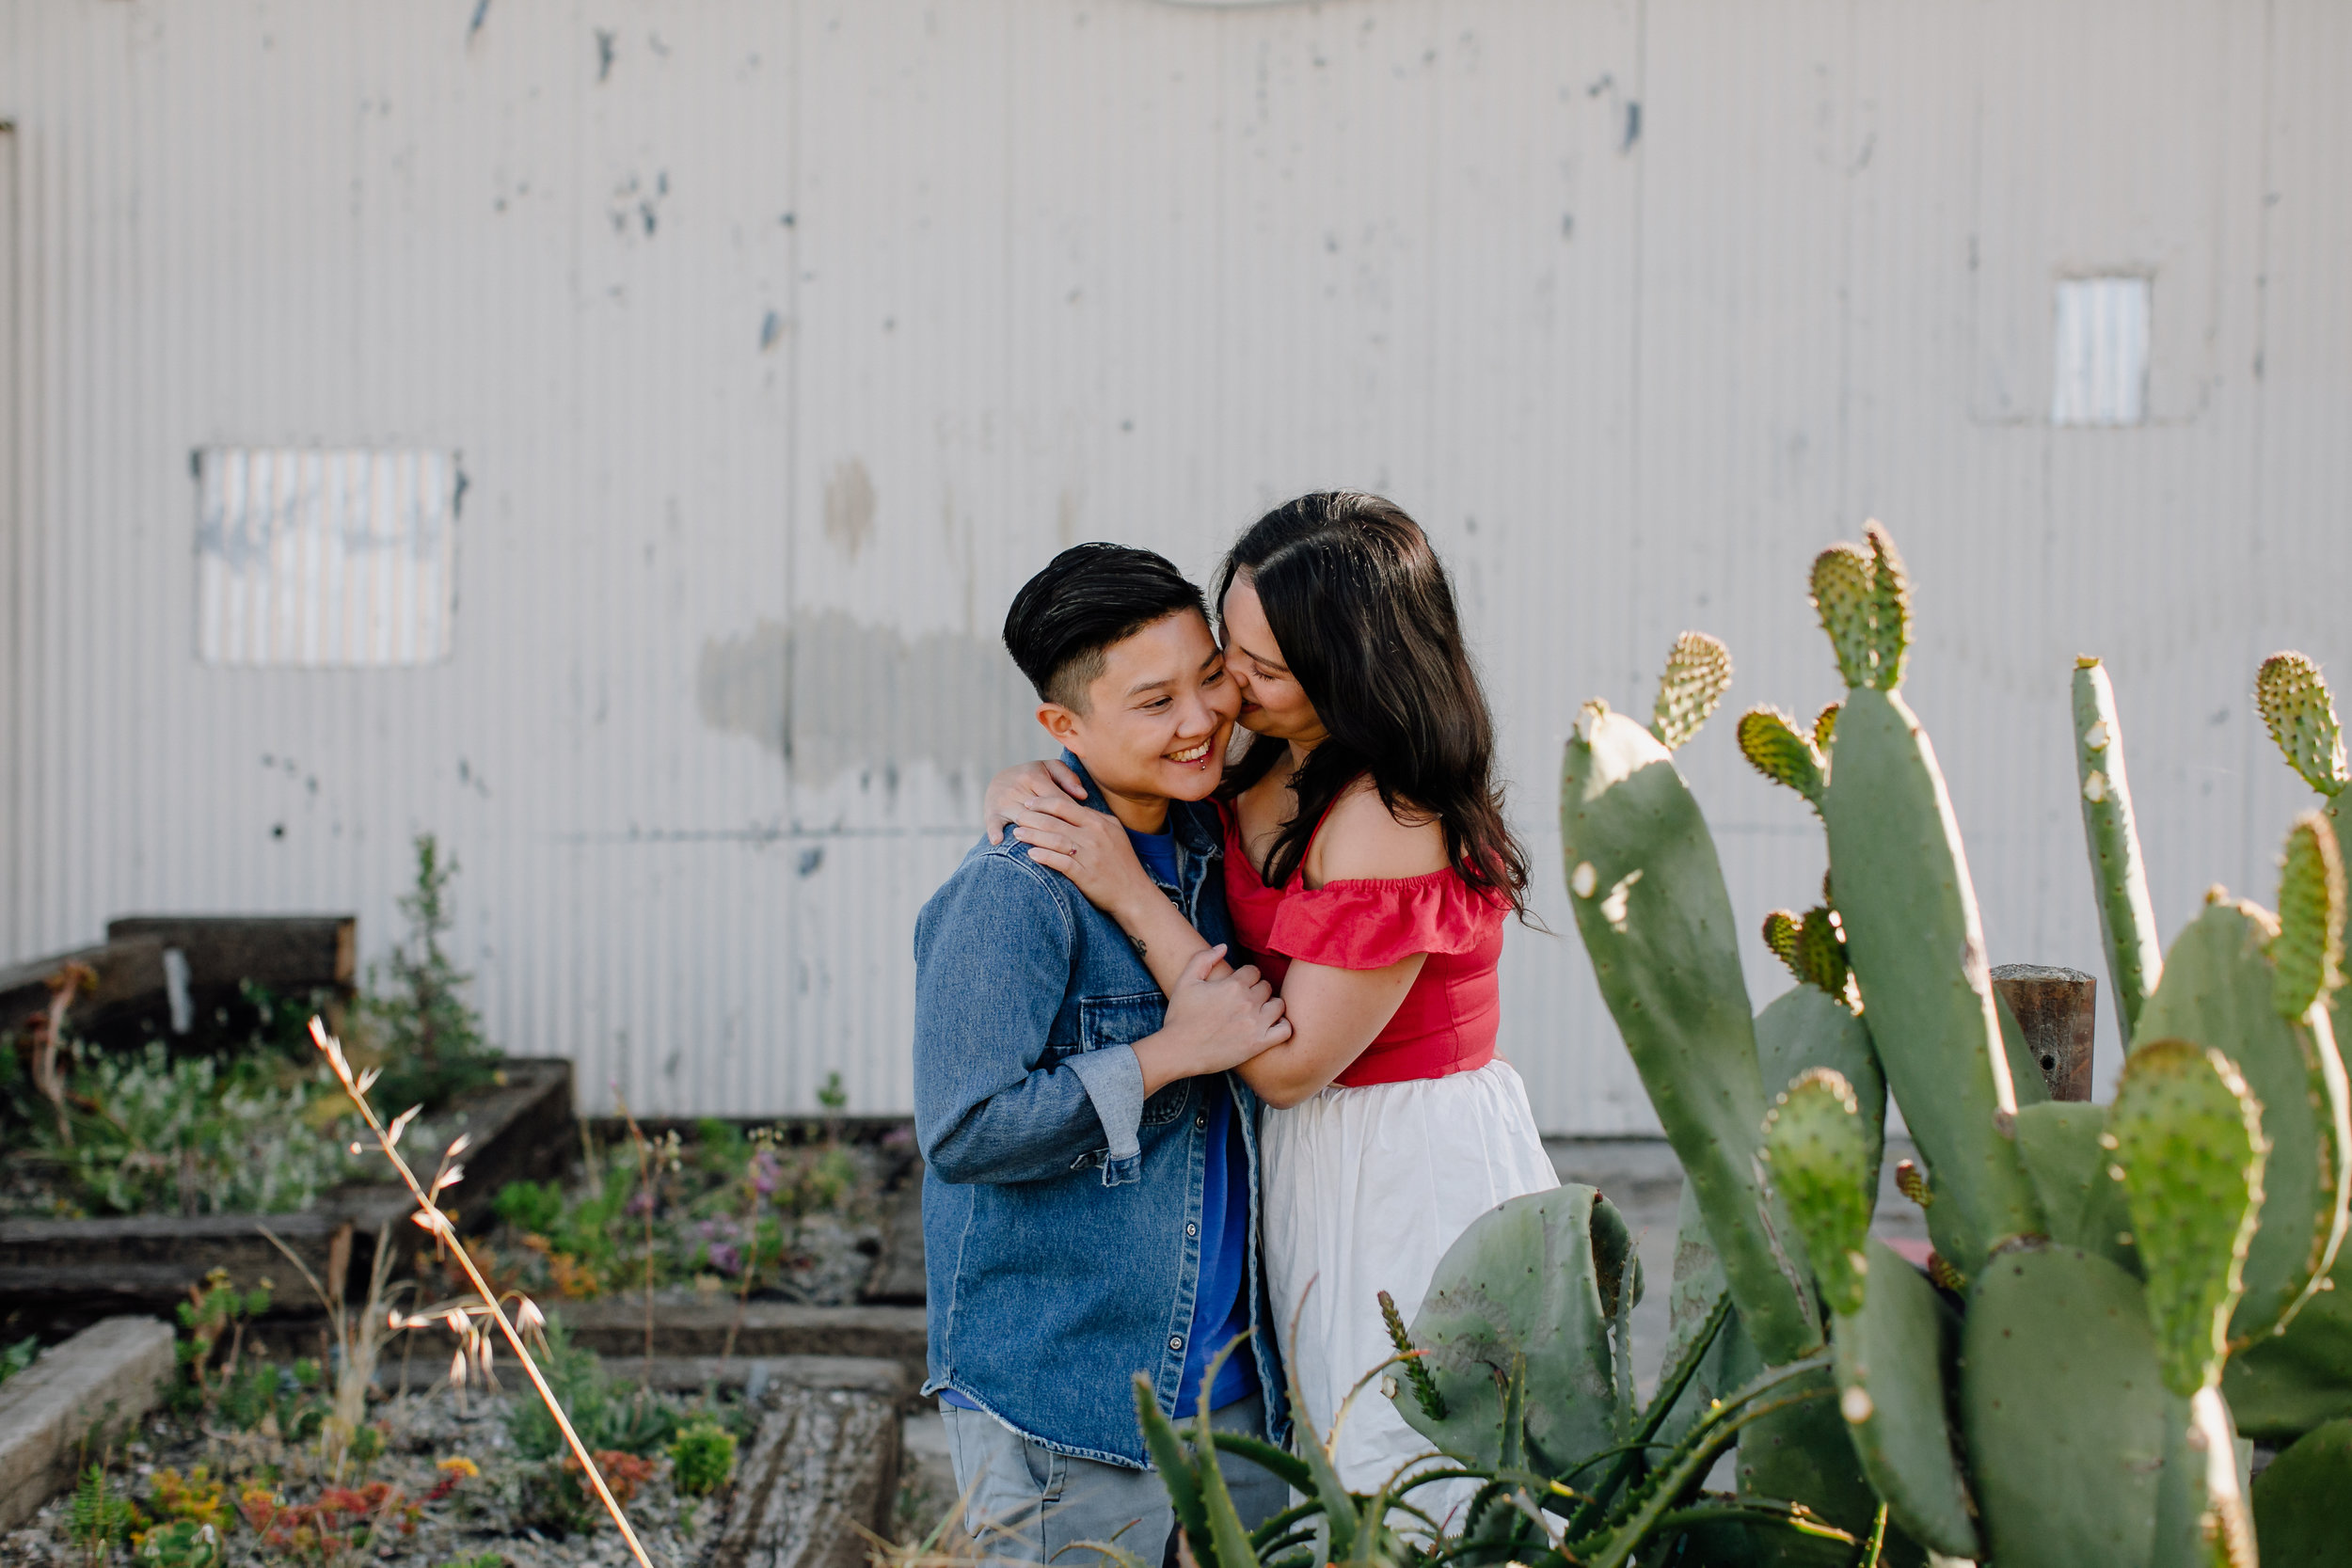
(829, 694)
(849, 506)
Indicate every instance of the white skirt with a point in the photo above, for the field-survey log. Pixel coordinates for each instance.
(1365, 1189)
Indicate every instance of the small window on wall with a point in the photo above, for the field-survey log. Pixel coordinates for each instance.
(2102, 337)
(325, 558)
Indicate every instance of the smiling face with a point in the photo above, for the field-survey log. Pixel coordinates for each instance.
(1156, 719)
(1273, 702)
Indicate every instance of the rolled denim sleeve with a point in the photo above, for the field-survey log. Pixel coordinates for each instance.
(992, 952)
(1114, 1081)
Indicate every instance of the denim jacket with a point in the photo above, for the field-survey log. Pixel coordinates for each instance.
(1061, 1207)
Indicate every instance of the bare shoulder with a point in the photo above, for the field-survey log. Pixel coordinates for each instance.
(1363, 840)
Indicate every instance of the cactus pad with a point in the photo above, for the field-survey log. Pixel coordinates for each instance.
(1841, 596)
(1770, 740)
(2299, 1500)
(2219, 990)
(1822, 953)
(2295, 702)
(2308, 952)
(1825, 728)
(1531, 1284)
(1811, 946)
(2127, 920)
(2187, 1147)
(1698, 672)
(1820, 1152)
(2066, 1418)
(1667, 962)
(1890, 609)
(1894, 1361)
(1802, 1028)
(1916, 944)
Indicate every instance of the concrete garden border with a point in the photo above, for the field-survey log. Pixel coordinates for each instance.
(81, 1391)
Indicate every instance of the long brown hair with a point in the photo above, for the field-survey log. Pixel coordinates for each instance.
(1366, 619)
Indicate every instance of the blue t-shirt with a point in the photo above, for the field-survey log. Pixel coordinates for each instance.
(1220, 1315)
(1220, 1312)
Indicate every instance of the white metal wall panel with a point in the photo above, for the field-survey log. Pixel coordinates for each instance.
(784, 341)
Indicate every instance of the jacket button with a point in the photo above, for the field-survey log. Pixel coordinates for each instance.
(1202, 1121)
(1175, 1341)
(1191, 1229)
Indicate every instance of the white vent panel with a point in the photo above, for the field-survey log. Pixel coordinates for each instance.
(2102, 358)
(325, 558)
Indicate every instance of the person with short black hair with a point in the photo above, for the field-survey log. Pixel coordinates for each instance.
(1369, 870)
(1090, 1191)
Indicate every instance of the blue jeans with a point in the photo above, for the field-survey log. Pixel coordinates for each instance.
(1030, 1503)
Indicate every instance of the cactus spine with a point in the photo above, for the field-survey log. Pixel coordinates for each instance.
(2127, 920)
(1913, 933)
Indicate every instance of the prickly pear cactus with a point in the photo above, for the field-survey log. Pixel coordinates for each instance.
(2301, 716)
(1698, 672)
(1775, 748)
(1532, 1282)
(2298, 1501)
(2185, 1139)
(2066, 1417)
(1648, 895)
(2127, 919)
(1820, 1154)
(1814, 949)
(1909, 914)
(2308, 952)
(2221, 990)
(1895, 1360)
(1843, 600)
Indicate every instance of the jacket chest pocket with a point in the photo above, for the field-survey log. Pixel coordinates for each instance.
(1123, 1021)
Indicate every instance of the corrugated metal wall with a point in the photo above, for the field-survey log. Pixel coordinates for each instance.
(781, 341)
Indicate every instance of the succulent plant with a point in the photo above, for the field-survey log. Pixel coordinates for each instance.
(2186, 1142)
(2127, 920)
(1819, 1150)
(2301, 716)
(1909, 916)
(1775, 748)
(1698, 672)
(1648, 895)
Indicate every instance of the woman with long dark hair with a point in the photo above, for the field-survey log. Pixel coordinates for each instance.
(1369, 872)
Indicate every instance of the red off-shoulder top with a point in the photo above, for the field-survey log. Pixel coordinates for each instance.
(1448, 1021)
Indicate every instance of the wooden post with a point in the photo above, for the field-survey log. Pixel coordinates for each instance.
(2055, 1009)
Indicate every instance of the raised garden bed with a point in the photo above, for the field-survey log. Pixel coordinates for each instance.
(711, 1213)
(54, 1273)
(764, 1464)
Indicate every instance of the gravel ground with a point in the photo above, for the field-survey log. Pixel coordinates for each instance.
(484, 1514)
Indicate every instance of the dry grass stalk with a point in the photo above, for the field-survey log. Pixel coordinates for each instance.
(437, 1222)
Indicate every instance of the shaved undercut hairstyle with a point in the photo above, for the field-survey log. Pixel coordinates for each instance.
(1089, 599)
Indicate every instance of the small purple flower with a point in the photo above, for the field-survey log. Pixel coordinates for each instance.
(726, 1258)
